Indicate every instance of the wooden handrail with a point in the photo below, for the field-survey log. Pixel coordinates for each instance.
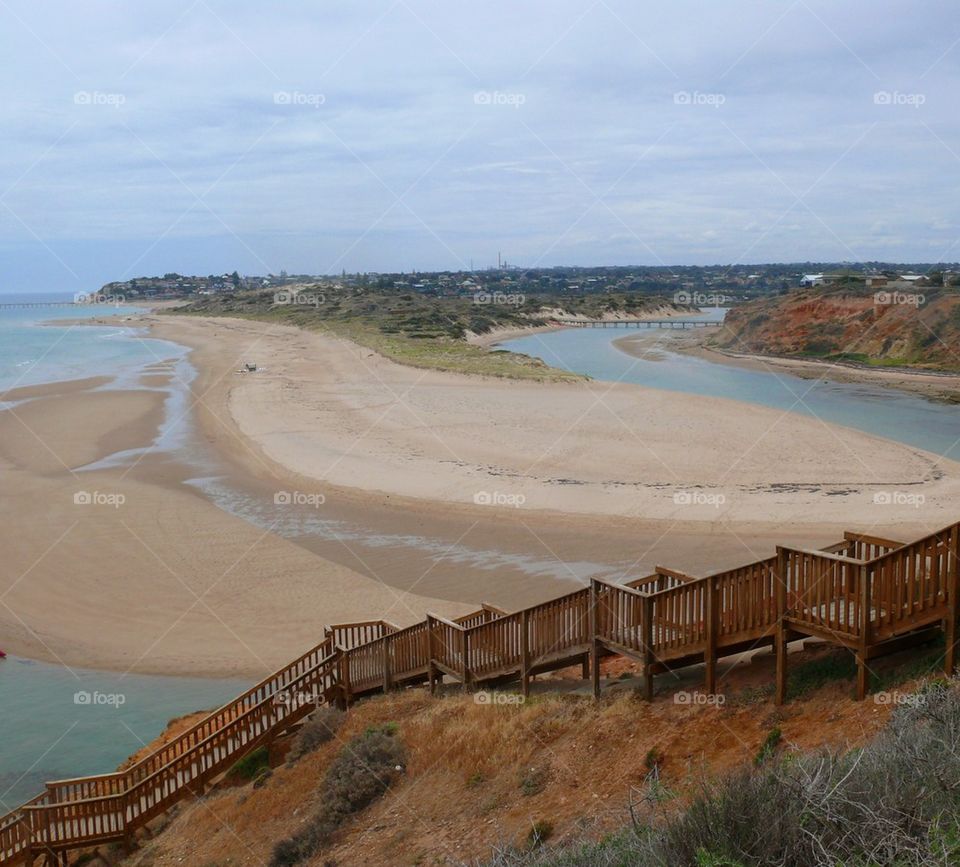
(861, 602)
(674, 573)
(444, 620)
(824, 555)
(851, 536)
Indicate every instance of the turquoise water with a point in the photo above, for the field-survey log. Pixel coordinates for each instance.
(48, 732)
(886, 412)
(43, 733)
(31, 354)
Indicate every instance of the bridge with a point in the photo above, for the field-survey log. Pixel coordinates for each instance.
(868, 594)
(17, 305)
(639, 323)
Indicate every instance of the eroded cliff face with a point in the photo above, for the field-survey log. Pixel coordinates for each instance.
(919, 327)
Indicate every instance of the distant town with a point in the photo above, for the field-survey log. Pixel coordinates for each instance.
(734, 283)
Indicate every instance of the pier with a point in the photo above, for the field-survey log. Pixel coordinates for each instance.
(639, 323)
(19, 305)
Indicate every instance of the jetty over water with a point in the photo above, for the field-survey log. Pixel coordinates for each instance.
(17, 305)
(639, 323)
(868, 594)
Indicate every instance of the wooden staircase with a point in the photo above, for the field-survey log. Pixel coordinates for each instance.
(868, 594)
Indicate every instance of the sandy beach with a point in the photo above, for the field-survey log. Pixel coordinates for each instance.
(336, 413)
(468, 490)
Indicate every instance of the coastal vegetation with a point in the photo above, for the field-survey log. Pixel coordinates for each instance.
(361, 772)
(562, 781)
(893, 801)
(428, 331)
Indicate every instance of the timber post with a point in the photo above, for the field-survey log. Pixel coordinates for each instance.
(710, 653)
(594, 640)
(525, 652)
(865, 595)
(780, 639)
(646, 639)
(953, 603)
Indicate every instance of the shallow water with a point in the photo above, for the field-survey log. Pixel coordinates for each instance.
(886, 412)
(60, 722)
(44, 734)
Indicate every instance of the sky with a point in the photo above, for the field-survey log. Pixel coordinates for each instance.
(206, 137)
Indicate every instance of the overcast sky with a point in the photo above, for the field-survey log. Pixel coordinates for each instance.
(145, 137)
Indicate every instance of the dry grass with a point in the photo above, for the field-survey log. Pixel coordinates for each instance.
(462, 791)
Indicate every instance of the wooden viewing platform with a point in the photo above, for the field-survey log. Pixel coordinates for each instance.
(639, 323)
(868, 594)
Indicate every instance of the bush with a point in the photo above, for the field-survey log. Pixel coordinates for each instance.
(533, 781)
(540, 832)
(319, 728)
(250, 766)
(769, 745)
(896, 801)
(362, 771)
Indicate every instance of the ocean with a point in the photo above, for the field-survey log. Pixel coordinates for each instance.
(46, 730)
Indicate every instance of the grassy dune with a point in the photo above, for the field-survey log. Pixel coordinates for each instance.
(420, 331)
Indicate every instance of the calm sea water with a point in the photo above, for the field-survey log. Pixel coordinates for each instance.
(30, 354)
(60, 723)
(882, 411)
(43, 733)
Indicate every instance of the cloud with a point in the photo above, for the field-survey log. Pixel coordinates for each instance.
(393, 135)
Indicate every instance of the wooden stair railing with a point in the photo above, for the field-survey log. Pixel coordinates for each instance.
(863, 593)
(72, 812)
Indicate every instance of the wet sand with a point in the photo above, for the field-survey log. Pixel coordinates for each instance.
(127, 568)
(167, 582)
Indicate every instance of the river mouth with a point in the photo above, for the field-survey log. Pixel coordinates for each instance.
(923, 422)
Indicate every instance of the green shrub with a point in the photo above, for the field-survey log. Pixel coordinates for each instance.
(362, 771)
(319, 728)
(769, 745)
(252, 764)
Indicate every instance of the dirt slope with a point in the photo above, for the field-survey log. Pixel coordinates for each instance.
(479, 774)
(919, 327)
